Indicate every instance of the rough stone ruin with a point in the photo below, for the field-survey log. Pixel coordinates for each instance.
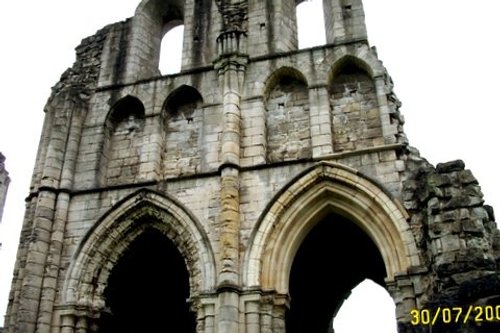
(217, 199)
(4, 184)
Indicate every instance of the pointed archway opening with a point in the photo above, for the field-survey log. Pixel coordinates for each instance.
(334, 257)
(375, 304)
(148, 289)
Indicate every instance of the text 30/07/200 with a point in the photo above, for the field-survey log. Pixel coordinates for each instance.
(456, 315)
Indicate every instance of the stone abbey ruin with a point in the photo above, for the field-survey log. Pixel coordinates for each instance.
(4, 184)
(248, 193)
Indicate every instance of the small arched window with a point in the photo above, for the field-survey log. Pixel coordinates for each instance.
(126, 115)
(124, 141)
(183, 123)
(287, 116)
(354, 106)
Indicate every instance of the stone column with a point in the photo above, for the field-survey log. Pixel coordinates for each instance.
(231, 67)
(208, 319)
(281, 304)
(29, 302)
(17, 280)
(204, 306)
(81, 325)
(34, 312)
(252, 316)
(229, 223)
(272, 309)
(50, 279)
(321, 122)
(402, 291)
(68, 323)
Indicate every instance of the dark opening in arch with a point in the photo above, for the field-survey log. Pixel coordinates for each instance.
(128, 106)
(148, 289)
(334, 257)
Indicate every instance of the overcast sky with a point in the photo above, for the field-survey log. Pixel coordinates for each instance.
(442, 55)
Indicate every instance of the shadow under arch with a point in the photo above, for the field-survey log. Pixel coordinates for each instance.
(110, 237)
(126, 105)
(284, 72)
(366, 61)
(318, 191)
(182, 95)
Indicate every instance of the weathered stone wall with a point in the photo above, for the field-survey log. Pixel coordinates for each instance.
(288, 129)
(276, 126)
(344, 20)
(356, 117)
(4, 184)
(218, 157)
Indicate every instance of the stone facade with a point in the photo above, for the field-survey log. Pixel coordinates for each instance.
(4, 184)
(232, 183)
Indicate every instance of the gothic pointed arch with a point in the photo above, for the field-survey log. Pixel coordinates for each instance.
(351, 61)
(364, 60)
(318, 191)
(282, 73)
(124, 107)
(104, 244)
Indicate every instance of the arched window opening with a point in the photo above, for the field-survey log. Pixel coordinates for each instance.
(148, 288)
(123, 141)
(376, 306)
(310, 24)
(183, 125)
(126, 112)
(171, 50)
(287, 117)
(152, 20)
(335, 256)
(354, 107)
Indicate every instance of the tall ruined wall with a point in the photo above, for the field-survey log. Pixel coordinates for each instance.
(4, 184)
(234, 160)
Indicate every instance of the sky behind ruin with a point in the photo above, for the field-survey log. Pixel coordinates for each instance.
(442, 55)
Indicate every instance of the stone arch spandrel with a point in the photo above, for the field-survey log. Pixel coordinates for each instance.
(110, 237)
(322, 189)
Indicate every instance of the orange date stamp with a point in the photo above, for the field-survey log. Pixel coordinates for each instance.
(455, 315)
